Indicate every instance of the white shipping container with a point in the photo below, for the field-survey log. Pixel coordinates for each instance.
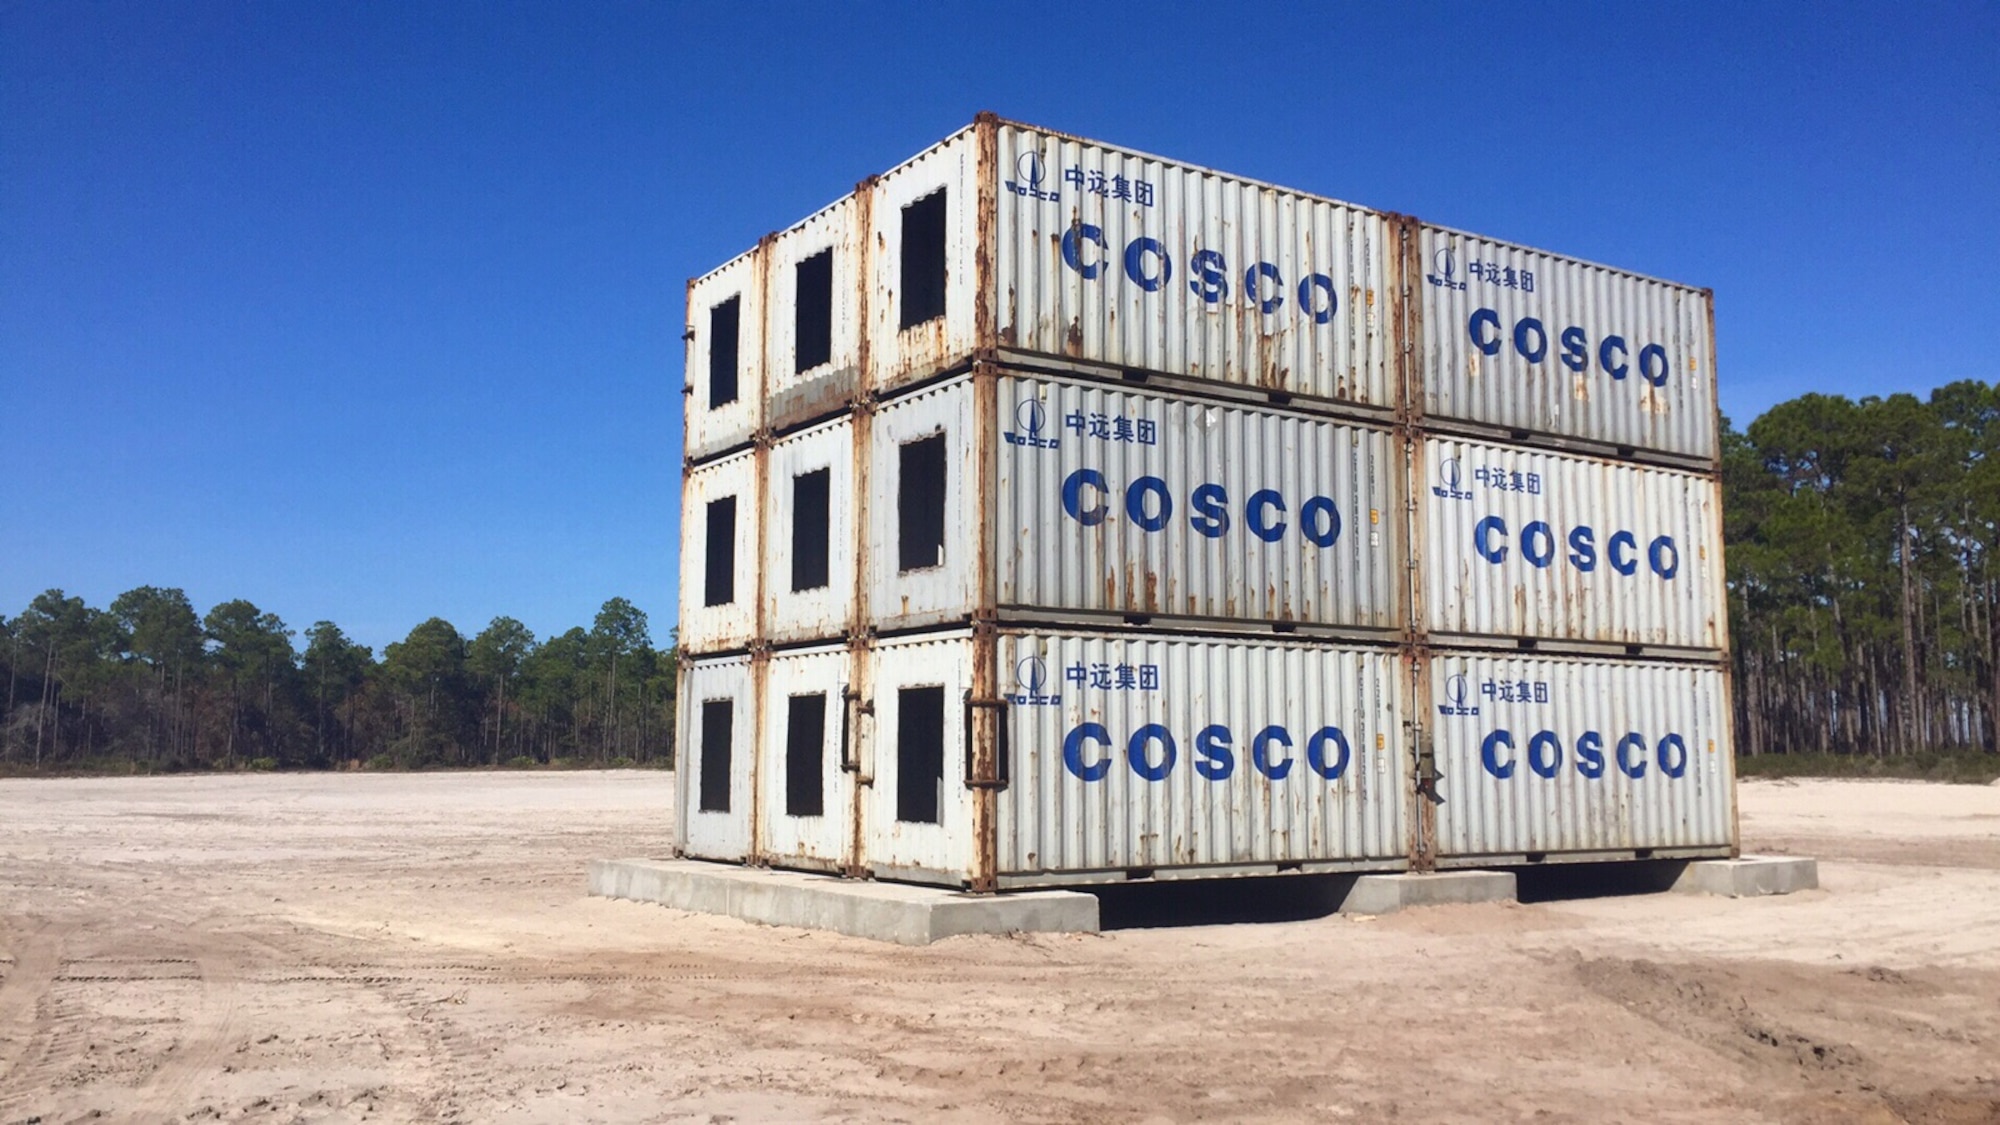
(715, 808)
(1518, 542)
(809, 546)
(1023, 244)
(1543, 346)
(1117, 258)
(1150, 754)
(1005, 240)
(1042, 758)
(812, 346)
(722, 395)
(720, 535)
(1129, 505)
(805, 765)
(1566, 758)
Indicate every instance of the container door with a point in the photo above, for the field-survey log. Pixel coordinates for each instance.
(724, 393)
(809, 554)
(918, 814)
(924, 509)
(720, 575)
(718, 719)
(806, 776)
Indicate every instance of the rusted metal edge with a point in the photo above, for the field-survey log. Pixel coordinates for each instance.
(1422, 790)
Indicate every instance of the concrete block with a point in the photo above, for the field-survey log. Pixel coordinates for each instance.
(881, 911)
(1749, 876)
(1384, 894)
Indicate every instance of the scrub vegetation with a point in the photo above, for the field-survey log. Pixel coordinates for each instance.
(146, 685)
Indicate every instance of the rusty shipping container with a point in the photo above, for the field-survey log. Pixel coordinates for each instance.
(1039, 498)
(1054, 513)
(1038, 248)
(1039, 758)
(1525, 345)
(1544, 758)
(721, 538)
(1519, 543)
(1011, 242)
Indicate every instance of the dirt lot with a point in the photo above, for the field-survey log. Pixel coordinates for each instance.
(341, 948)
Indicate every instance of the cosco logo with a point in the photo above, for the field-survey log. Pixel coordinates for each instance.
(1089, 752)
(1149, 503)
(1538, 546)
(1531, 340)
(1150, 266)
(1545, 754)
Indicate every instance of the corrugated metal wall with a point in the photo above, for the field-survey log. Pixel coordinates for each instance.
(1522, 542)
(1525, 340)
(1115, 258)
(715, 778)
(1568, 757)
(1140, 752)
(716, 417)
(809, 560)
(719, 586)
(823, 378)
(1123, 502)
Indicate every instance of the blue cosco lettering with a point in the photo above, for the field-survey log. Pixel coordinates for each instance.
(1149, 504)
(1545, 754)
(1538, 547)
(1530, 338)
(1152, 752)
(1142, 764)
(1218, 760)
(1072, 250)
(1073, 751)
(1150, 265)
(1135, 263)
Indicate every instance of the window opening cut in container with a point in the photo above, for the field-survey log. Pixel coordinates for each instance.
(923, 260)
(805, 746)
(812, 494)
(723, 324)
(920, 489)
(719, 583)
(718, 719)
(812, 319)
(919, 753)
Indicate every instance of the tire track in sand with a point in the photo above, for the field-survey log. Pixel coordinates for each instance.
(37, 954)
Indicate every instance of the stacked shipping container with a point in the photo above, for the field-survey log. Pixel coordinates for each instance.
(1056, 513)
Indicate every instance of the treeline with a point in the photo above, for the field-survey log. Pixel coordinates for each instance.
(1864, 573)
(148, 684)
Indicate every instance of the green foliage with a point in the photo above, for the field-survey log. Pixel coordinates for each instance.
(1864, 574)
(148, 686)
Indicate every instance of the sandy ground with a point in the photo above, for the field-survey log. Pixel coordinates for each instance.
(368, 947)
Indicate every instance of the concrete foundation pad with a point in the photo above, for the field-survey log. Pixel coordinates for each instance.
(882, 911)
(1749, 876)
(1384, 894)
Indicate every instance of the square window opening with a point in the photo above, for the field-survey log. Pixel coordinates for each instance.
(812, 494)
(718, 721)
(719, 583)
(920, 495)
(812, 315)
(724, 324)
(919, 754)
(805, 756)
(923, 259)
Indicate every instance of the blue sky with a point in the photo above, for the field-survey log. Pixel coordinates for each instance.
(372, 313)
